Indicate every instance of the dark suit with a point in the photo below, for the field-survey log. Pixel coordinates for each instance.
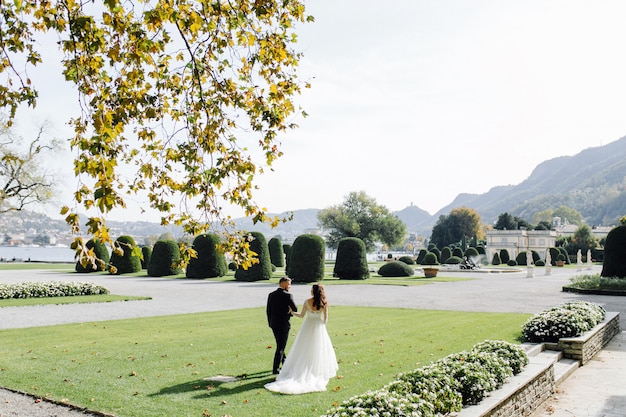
(278, 303)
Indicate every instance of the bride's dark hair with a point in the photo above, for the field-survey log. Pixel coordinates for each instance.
(319, 297)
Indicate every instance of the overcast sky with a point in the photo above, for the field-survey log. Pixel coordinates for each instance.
(416, 101)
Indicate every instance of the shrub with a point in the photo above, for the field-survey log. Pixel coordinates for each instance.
(407, 260)
(514, 355)
(481, 250)
(146, 252)
(395, 269)
(473, 374)
(437, 253)
(430, 259)
(446, 253)
(351, 262)
(521, 258)
(565, 254)
(232, 266)
(165, 259)
(595, 281)
(261, 270)
(457, 252)
(512, 262)
(540, 263)
(472, 253)
(567, 320)
(496, 259)
(433, 384)
(420, 256)
(453, 260)
(209, 261)
(306, 259)
(49, 289)
(277, 256)
(129, 261)
(287, 251)
(101, 254)
(504, 256)
(554, 253)
(615, 253)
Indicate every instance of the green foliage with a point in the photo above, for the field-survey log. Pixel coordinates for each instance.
(277, 256)
(446, 253)
(565, 254)
(554, 253)
(597, 282)
(360, 216)
(146, 252)
(420, 256)
(458, 252)
(306, 259)
(540, 263)
(287, 251)
(504, 256)
(615, 253)
(437, 253)
(461, 222)
(99, 260)
(567, 320)
(165, 259)
(407, 260)
(351, 262)
(209, 261)
(512, 262)
(471, 253)
(430, 259)
(126, 256)
(453, 260)
(262, 270)
(496, 259)
(395, 269)
(232, 266)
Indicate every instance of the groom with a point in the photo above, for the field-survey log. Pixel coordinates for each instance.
(278, 315)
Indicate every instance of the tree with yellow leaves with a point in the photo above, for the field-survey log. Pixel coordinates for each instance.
(191, 94)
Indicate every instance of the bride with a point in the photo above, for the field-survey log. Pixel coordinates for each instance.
(311, 361)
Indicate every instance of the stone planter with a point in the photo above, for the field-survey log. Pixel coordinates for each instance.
(430, 272)
(560, 263)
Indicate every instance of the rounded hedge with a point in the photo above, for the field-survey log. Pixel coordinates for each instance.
(261, 270)
(512, 262)
(504, 256)
(165, 259)
(453, 260)
(209, 261)
(615, 253)
(306, 259)
(446, 253)
(100, 252)
(430, 259)
(472, 253)
(407, 260)
(420, 256)
(286, 250)
(457, 252)
(277, 255)
(351, 260)
(146, 252)
(129, 261)
(395, 269)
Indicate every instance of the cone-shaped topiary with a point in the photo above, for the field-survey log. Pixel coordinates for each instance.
(615, 253)
(101, 254)
(351, 260)
(395, 269)
(496, 259)
(129, 260)
(209, 261)
(286, 250)
(277, 256)
(420, 256)
(146, 251)
(261, 270)
(165, 259)
(306, 259)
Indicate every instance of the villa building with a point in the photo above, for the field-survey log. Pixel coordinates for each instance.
(516, 241)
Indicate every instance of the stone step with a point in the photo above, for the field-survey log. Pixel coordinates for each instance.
(564, 368)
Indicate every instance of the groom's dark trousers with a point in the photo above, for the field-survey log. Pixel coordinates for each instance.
(278, 315)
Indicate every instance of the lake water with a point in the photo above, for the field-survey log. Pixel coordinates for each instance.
(39, 254)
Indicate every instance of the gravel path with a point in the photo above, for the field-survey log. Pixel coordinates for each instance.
(489, 292)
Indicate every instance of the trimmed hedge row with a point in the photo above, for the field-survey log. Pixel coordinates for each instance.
(49, 289)
(442, 387)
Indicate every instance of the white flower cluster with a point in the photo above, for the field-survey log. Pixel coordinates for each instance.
(442, 387)
(49, 289)
(567, 320)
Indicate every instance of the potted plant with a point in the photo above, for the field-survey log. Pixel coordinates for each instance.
(560, 259)
(430, 264)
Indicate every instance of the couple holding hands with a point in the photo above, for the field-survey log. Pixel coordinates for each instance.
(312, 361)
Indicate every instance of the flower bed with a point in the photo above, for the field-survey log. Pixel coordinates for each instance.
(49, 289)
(442, 387)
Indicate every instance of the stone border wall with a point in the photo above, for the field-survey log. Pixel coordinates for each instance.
(585, 347)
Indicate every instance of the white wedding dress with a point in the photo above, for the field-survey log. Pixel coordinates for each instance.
(311, 362)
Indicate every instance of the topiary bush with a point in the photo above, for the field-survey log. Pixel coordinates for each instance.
(504, 256)
(496, 259)
(261, 270)
(615, 253)
(286, 250)
(446, 253)
(540, 263)
(209, 261)
(430, 259)
(277, 255)
(146, 252)
(407, 260)
(512, 262)
(472, 253)
(395, 269)
(351, 262)
(165, 259)
(554, 253)
(437, 253)
(453, 260)
(306, 259)
(129, 260)
(232, 266)
(564, 253)
(100, 254)
(420, 256)
(457, 252)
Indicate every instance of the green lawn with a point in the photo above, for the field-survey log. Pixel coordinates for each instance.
(101, 298)
(158, 366)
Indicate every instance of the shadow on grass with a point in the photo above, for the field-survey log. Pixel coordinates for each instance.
(208, 386)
